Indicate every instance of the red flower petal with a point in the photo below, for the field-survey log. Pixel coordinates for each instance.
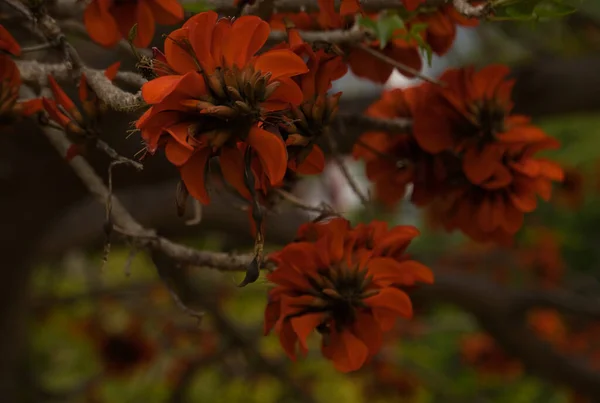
(281, 63)
(271, 151)
(166, 12)
(100, 25)
(193, 173)
(388, 304)
(313, 164)
(154, 91)
(201, 32)
(179, 59)
(304, 325)
(8, 43)
(176, 153)
(231, 161)
(347, 351)
(248, 34)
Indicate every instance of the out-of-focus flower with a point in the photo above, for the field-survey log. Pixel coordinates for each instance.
(109, 21)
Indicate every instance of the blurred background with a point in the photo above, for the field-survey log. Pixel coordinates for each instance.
(74, 328)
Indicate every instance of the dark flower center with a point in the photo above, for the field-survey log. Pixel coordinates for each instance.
(232, 105)
(488, 119)
(122, 352)
(340, 291)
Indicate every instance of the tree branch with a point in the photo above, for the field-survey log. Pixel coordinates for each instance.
(33, 72)
(471, 11)
(335, 36)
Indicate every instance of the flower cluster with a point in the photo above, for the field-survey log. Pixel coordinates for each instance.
(439, 34)
(10, 82)
(213, 96)
(79, 127)
(109, 21)
(348, 284)
(261, 115)
(467, 157)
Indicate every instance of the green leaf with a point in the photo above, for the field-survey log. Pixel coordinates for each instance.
(554, 9)
(386, 26)
(367, 23)
(528, 10)
(523, 9)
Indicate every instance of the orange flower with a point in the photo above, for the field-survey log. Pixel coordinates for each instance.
(8, 43)
(10, 82)
(471, 117)
(362, 63)
(494, 209)
(481, 351)
(548, 325)
(216, 94)
(313, 118)
(78, 126)
(365, 65)
(108, 21)
(441, 27)
(349, 294)
(395, 160)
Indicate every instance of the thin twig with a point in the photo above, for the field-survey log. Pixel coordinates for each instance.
(343, 167)
(398, 126)
(336, 36)
(325, 209)
(400, 66)
(37, 48)
(34, 72)
(108, 150)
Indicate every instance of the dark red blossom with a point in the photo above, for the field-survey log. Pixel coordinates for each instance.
(494, 209)
(347, 284)
(394, 160)
(442, 23)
